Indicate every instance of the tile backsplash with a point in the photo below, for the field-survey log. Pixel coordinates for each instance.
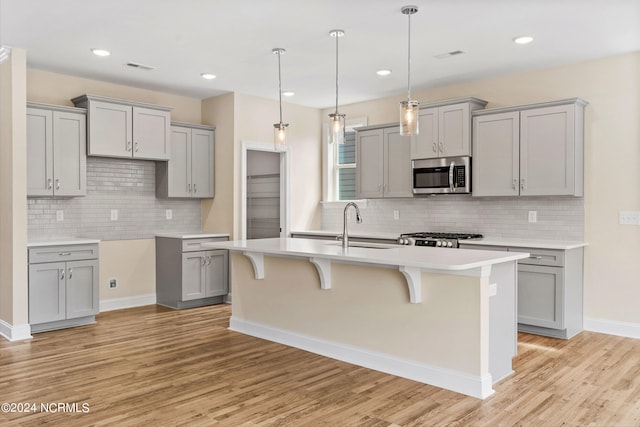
(558, 218)
(125, 185)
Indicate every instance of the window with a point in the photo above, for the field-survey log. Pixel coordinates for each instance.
(345, 167)
(340, 161)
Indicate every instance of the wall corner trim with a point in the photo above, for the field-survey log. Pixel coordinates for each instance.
(15, 332)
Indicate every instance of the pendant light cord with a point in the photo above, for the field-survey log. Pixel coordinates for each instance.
(337, 37)
(280, 86)
(409, 61)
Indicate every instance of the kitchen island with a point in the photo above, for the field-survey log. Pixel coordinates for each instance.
(441, 317)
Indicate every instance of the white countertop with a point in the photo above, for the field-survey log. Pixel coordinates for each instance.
(409, 256)
(492, 241)
(192, 235)
(61, 241)
(525, 243)
(352, 234)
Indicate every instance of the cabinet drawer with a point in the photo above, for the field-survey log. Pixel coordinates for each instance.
(190, 245)
(549, 257)
(62, 253)
(484, 247)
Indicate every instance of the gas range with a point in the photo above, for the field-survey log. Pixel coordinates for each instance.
(436, 239)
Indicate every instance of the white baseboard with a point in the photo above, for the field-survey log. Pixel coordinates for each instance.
(475, 386)
(612, 327)
(127, 302)
(15, 332)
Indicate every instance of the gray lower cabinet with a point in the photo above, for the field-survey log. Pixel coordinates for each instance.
(63, 286)
(188, 275)
(550, 294)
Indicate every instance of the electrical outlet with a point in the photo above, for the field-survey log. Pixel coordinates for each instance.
(396, 214)
(629, 218)
(114, 214)
(59, 215)
(169, 214)
(533, 216)
(493, 289)
(113, 283)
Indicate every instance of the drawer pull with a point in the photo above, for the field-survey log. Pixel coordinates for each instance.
(535, 257)
(64, 253)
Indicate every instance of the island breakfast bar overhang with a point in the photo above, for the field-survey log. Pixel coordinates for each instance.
(442, 317)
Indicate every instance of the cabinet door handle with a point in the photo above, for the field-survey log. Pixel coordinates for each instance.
(441, 147)
(62, 274)
(195, 190)
(128, 145)
(209, 260)
(57, 184)
(49, 183)
(203, 260)
(435, 149)
(136, 146)
(515, 183)
(188, 188)
(70, 273)
(522, 184)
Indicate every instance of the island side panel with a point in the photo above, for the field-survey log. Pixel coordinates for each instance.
(368, 308)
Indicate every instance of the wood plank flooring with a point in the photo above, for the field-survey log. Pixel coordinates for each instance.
(152, 366)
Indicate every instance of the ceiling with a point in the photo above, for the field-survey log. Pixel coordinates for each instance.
(233, 39)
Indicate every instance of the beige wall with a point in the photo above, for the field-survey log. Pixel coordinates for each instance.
(612, 171)
(253, 120)
(134, 267)
(13, 191)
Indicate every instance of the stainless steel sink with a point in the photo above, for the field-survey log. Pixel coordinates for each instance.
(364, 245)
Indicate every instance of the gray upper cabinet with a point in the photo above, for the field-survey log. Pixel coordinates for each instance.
(534, 150)
(445, 129)
(190, 170)
(126, 129)
(56, 151)
(383, 162)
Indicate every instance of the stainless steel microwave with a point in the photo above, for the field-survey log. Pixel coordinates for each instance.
(445, 175)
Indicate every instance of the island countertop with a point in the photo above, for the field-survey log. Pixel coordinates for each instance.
(424, 258)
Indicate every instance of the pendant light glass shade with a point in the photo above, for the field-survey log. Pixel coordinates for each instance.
(409, 108)
(280, 129)
(336, 129)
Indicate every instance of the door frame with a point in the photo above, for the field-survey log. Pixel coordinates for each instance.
(285, 185)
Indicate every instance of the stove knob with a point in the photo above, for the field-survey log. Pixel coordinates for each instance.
(438, 243)
(449, 245)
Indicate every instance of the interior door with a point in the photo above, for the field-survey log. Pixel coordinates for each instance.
(263, 194)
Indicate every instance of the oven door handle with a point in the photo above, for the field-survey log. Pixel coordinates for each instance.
(451, 184)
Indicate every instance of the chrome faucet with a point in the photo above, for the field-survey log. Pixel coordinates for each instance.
(345, 235)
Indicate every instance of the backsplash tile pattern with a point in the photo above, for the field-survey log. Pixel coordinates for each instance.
(558, 218)
(122, 184)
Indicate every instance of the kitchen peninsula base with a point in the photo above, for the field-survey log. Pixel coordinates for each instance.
(461, 335)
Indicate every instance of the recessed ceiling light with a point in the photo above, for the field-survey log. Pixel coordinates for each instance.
(523, 39)
(383, 72)
(100, 52)
(288, 93)
(208, 76)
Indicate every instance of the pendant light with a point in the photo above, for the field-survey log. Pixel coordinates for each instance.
(409, 108)
(337, 120)
(280, 129)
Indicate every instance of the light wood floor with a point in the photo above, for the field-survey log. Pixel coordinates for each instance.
(159, 367)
